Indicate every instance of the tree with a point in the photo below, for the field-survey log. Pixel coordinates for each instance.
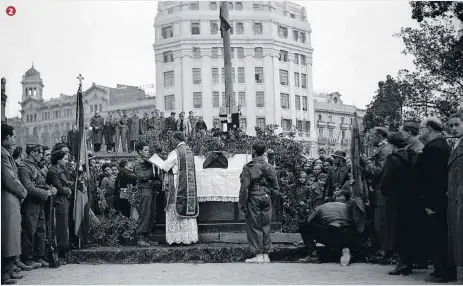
(435, 9)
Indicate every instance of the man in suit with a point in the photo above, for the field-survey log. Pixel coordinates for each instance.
(73, 140)
(337, 175)
(183, 124)
(455, 197)
(170, 122)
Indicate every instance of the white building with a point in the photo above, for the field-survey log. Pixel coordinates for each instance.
(272, 62)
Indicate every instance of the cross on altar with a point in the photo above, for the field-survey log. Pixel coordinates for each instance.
(80, 78)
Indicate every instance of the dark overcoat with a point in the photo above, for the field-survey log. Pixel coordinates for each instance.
(108, 132)
(12, 194)
(97, 124)
(455, 207)
(134, 128)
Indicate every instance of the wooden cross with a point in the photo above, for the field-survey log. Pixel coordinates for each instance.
(80, 78)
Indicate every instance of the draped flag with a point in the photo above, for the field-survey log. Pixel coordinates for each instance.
(224, 25)
(81, 206)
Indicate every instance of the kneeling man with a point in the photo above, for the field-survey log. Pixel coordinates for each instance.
(332, 225)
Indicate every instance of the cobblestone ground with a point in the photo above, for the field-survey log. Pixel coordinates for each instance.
(227, 273)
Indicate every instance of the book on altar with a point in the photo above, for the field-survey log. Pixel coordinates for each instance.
(156, 160)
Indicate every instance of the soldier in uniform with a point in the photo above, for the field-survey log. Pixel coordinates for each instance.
(259, 185)
(124, 130)
(33, 233)
(146, 180)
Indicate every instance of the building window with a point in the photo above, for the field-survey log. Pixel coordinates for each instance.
(304, 103)
(320, 133)
(343, 134)
(295, 35)
(304, 80)
(233, 75)
(342, 120)
(239, 6)
(215, 99)
(221, 52)
(169, 79)
(297, 82)
(243, 124)
(240, 53)
(214, 27)
(298, 102)
(296, 59)
(194, 5)
(330, 118)
(223, 75)
(286, 124)
(330, 133)
(258, 53)
(196, 76)
(284, 99)
(240, 75)
(260, 99)
(259, 73)
(213, 5)
(195, 29)
(257, 28)
(197, 53)
(168, 57)
(232, 55)
(170, 10)
(94, 108)
(197, 100)
(283, 56)
(239, 28)
(215, 75)
(169, 102)
(167, 32)
(215, 53)
(303, 60)
(319, 117)
(242, 99)
(231, 27)
(100, 108)
(283, 32)
(260, 122)
(284, 77)
(230, 5)
(257, 7)
(303, 39)
(91, 110)
(292, 16)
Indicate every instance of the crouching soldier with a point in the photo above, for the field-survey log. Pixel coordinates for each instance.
(33, 213)
(259, 185)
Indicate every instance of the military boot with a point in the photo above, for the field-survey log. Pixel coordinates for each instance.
(42, 262)
(32, 264)
(23, 266)
(142, 242)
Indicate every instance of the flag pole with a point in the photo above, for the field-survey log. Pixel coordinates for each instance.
(225, 31)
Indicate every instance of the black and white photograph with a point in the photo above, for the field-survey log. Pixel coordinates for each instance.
(231, 142)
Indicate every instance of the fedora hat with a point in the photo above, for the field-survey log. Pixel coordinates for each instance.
(339, 154)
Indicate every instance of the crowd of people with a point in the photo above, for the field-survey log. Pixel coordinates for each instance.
(38, 198)
(120, 132)
(414, 180)
(415, 188)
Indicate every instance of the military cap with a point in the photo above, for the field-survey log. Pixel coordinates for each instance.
(410, 126)
(339, 154)
(32, 147)
(382, 131)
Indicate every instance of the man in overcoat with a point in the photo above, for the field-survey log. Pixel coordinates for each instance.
(117, 130)
(13, 193)
(455, 195)
(433, 184)
(134, 130)
(73, 140)
(372, 169)
(411, 131)
(97, 123)
(124, 130)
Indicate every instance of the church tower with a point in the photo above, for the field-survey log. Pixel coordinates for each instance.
(32, 85)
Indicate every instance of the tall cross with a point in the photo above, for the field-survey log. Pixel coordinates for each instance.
(80, 78)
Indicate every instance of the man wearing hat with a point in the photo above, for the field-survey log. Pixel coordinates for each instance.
(337, 175)
(33, 233)
(372, 169)
(411, 132)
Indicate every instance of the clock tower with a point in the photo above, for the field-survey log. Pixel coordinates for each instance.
(32, 85)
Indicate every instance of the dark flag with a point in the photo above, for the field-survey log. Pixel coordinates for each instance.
(224, 25)
(81, 206)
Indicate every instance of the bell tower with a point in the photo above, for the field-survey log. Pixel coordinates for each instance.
(32, 85)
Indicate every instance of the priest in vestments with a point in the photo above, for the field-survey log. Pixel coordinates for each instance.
(180, 187)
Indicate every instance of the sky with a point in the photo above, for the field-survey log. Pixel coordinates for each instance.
(111, 42)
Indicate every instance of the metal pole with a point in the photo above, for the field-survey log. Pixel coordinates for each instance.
(227, 62)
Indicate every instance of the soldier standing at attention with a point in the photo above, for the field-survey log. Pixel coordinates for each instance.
(259, 184)
(33, 233)
(143, 170)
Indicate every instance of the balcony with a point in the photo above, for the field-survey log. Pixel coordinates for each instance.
(321, 124)
(322, 140)
(332, 141)
(344, 126)
(331, 125)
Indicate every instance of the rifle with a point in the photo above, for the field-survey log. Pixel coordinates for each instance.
(52, 250)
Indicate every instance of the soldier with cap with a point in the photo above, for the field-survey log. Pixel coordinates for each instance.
(373, 168)
(259, 185)
(146, 180)
(337, 175)
(33, 213)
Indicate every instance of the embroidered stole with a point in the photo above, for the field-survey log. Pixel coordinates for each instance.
(185, 195)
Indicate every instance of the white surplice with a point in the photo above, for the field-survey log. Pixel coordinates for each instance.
(178, 229)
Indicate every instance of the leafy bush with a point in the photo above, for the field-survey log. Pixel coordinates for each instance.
(113, 229)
